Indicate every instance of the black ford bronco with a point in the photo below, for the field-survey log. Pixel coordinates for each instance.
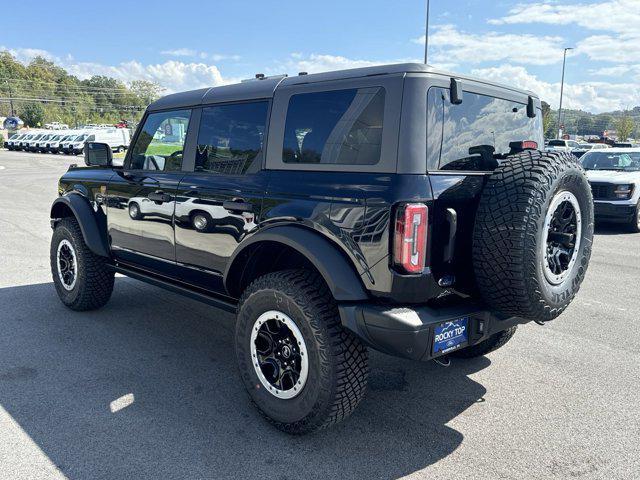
(396, 207)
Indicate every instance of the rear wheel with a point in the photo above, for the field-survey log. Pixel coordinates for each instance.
(533, 235)
(82, 279)
(302, 369)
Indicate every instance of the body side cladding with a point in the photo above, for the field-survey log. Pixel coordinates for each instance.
(92, 224)
(336, 269)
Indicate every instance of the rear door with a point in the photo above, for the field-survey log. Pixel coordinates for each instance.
(220, 197)
(142, 195)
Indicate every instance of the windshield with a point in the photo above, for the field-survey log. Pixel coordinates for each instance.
(81, 138)
(619, 161)
(557, 143)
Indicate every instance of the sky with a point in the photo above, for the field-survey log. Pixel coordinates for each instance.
(184, 44)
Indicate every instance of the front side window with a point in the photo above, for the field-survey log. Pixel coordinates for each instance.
(230, 138)
(335, 127)
(160, 143)
(474, 134)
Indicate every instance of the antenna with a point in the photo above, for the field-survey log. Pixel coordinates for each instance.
(426, 35)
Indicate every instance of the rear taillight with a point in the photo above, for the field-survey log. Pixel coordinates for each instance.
(410, 237)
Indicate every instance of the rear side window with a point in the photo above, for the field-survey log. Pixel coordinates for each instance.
(230, 138)
(473, 134)
(335, 127)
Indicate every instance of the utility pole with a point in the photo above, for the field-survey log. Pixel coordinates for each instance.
(426, 35)
(564, 61)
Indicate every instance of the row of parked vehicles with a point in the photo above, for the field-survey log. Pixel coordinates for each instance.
(580, 148)
(70, 142)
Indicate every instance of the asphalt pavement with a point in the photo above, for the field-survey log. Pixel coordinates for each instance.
(147, 386)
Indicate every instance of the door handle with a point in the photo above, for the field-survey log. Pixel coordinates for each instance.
(234, 206)
(159, 196)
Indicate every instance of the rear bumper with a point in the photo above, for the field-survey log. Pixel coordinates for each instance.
(408, 331)
(622, 211)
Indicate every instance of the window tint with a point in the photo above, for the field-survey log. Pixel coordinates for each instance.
(473, 134)
(627, 161)
(161, 141)
(231, 137)
(335, 127)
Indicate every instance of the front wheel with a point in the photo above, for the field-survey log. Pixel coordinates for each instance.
(82, 279)
(301, 368)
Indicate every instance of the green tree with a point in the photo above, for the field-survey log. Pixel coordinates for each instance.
(547, 120)
(585, 125)
(624, 126)
(32, 114)
(146, 91)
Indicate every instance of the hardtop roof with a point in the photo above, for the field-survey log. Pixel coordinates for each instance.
(265, 88)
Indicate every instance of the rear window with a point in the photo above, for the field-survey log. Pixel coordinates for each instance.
(472, 135)
(336, 127)
(557, 143)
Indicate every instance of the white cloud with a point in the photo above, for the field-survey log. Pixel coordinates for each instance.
(316, 63)
(173, 75)
(25, 55)
(189, 52)
(180, 52)
(618, 71)
(622, 16)
(594, 97)
(447, 44)
(619, 17)
(624, 48)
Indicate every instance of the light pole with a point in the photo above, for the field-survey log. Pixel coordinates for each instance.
(564, 61)
(426, 35)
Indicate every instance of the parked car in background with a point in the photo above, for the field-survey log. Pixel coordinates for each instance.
(56, 126)
(560, 145)
(12, 142)
(117, 138)
(614, 175)
(586, 147)
(51, 143)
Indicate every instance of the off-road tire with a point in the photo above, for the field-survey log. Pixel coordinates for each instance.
(508, 237)
(94, 282)
(492, 343)
(338, 362)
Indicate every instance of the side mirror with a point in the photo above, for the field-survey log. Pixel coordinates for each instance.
(98, 154)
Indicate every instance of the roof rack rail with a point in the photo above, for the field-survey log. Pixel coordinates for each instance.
(261, 76)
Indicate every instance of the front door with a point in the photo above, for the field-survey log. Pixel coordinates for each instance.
(219, 202)
(142, 195)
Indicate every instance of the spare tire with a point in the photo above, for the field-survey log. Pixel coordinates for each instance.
(533, 235)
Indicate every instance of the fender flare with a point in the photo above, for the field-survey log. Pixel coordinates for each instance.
(92, 225)
(336, 269)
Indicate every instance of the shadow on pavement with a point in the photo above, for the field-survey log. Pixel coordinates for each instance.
(173, 358)
(612, 229)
